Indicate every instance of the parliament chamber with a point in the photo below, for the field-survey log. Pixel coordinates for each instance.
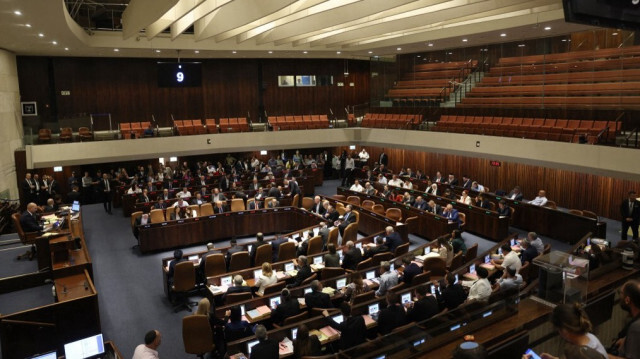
(364, 162)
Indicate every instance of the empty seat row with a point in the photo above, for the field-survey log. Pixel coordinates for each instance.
(562, 78)
(390, 120)
(580, 102)
(571, 56)
(225, 125)
(133, 129)
(298, 122)
(66, 134)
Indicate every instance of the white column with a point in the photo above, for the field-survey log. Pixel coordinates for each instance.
(10, 123)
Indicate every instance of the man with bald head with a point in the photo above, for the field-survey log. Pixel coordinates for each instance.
(317, 207)
(29, 219)
(148, 350)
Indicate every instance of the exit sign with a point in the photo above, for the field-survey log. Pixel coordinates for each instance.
(65, 93)
(495, 163)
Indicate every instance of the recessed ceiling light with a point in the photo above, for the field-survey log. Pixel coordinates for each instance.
(564, 40)
(430, 45)
(66, 49)
(305, 52)
(418, 56)
(54, 42)
(271, 52)
(116, 50)
(41, 35)
(371, 52)
(157, 51)
(464, 40)
(450, 53)
(503, 35)
(235, 52)
(521, 45)
(399, 49)
(614, 34)
(18, 12)
(27, 25)
(338, 52)
(547, 28)
(197, 52)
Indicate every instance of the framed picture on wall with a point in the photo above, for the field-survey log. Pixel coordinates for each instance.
(29, 108)
(305, 80)
(286, 81)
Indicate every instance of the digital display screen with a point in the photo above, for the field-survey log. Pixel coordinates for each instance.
(250, 345)
(84, 348)
(294, 333)
(257, 273)
(487, 259)
(472, 269)
(317, 260)
(307, 290)
(52, 355)
(274, 302)
(75, 206)
(226, 281)
(288, 267)
(340, 283)
(405, 298)
(374, 308)
(427, 250)
(183, 74)
(338, 318)
(242, 309)
(371, 274)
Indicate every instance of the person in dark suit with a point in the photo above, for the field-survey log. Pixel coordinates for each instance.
(351, 257)
(317, 206)
(317, 299)
(392, 316)
(392, 239)
(503, 209)
(425, 307)
(255, 205)
(515, 194)
(275, 246)
(29, 220)
(288, 308)
(450, 295)
(294, 189)
(216, 196)
(306, 345)
(379, 247)
(432, 207)
(51, 206)
(331, 259)
(353, 331)
(331, 215)
(451, 214)
(254, 248)
(203, 260)
(219, 208)
(28, 188)
(140, 221)
(384, 159)
(451, 180)
(483, 202)
(160, 204)
(420, 203)
(234, 248)
(466, 182)
(266, 348)
(107, 194)
(74, 195)
(144, 196)
(238, 287)
(630, 211)
(411, 269)
(225, 183)
(347, 219)
(303, 247)
(177, 258)
(304, 272)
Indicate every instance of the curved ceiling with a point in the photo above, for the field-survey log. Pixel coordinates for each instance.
(276, 28)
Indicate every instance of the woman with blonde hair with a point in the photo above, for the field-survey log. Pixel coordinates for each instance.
(267, 278)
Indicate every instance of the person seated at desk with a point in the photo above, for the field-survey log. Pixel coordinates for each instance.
(351, 257)
(166, 195)
(407, 184)
(368, 189)
(216, 196)
(304, 272)
(181, 213)
(150, 187)
(528, 252)
(144, 197)
(254, 248)
(29, 220)
(260, 194)
(134, 189)
(445, 249)
(148, 132)
(275, 246)
(434, 208)
(331, 215)
(395, 181)
(331, 259)
(317, 206)
(388, 278)
(184, 193)
(288, 308)
(382, 179)
(346, 220)
(465, 198)
(355, 287)
(511, 260)
(274, 203)
(420, 203)
(411, 269)
(479, 289)
(356, 187)
(433, 189)
(451, 214)
(540, 200)
(353, 331)
(535, 241)
(512, 280)
(177, 258)
(255, 205)
(304, 245)
(392, 239)
(449, 194)
(219, 208)
(483, 202)
(306, 345)
(197, 199)
(236, 328)
(239, 286)
(234, 248)
(450, 295)
(407, 199)
(317, 299)
(373, 249)
(457, 242)
(160, 204)
(424, 308)
(205, 308)
(515, 194)
(267, 278)
(203, 260)
(504, 211)
(50, 207)
(393, 316)
(266, 348)
(180, 203)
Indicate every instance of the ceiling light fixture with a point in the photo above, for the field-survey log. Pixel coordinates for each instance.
(27, 25)
(18, 12)
(464, 40)
(66, 49)
(430, 44)
(614, 34)
(116, 50)
(547, 28)
(157, 51)
(54, 42)
(399, 49)
(338, 52)
(41, 35)
(521, 45)
(305, 52)
(197, 52)
(371, 52)
(503, 35)
(271, 52)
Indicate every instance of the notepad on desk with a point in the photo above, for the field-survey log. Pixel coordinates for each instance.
(286, 346)
(317, 267)
(329, 332)
(321, 336)
(368, 321)
(302, 302)
(218, 289)
(258, 313)
(281, 275)
(328, 290)
(292, 273)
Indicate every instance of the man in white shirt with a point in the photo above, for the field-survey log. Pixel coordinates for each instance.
(382, 179)
(395, 181)
(180, 203)
(479, 289)
(541, 200)
(356, 186)
(536, 242)
(184, 193)
(148, 350)
(364, 157)
(511, 260)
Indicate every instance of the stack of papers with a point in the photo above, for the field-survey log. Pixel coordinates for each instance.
(258, 313)
(292, 273)
(302, 302)
(470, 276)
(330, 333)
(317, 267)
(421, 258)
(328, 290)
(215, 289)
(281, 275)
(321, 337)
(286, 346)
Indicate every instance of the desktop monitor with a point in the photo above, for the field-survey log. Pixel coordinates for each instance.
(589, 241)
(427, 250)
(317, 260)
(500, 251)
(374, 308)
(307, 290)
(418, 342)
(380, 357)
(75, 207)
(257, 273)
(487, 259)
(340, 283)
(50, 355)
(288, 267)
(359, 245)
(339, 253)
(85, 348)
(242, 309)
(370, 275)
(406, 298)
(338, 318)
(456, 281)
(226, 281)
(249, 248)
(274, 302)
(433, 289)
(250, 345)
(294, 333)
(513, 242)
(392, 266)
(472, 269)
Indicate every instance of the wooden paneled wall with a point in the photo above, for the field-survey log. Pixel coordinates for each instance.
(127, 88)
(568, 189)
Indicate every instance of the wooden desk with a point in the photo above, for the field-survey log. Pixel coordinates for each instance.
(74, 286)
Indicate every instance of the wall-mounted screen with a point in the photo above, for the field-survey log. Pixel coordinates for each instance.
(183, 74)
(305, 80)
(286, 81)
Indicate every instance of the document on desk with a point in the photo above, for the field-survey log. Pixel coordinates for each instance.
(302, 302)
(218, 290)
(368, 321)
(321, 337)
(286, 346)
(330, 333)
(258, 313)
(328, 290)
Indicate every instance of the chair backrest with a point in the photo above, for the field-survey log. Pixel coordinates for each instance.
(197, 335)
(134, 216)
(215, 264)
(237, 204)
(368, 204)
(590, 214)
(184, 277)
(286, 251)
(472, 252)
(339, 197)
(340, 208)
(364, 264)
(421, 278)
(401, 250)
(307, 202)
(394, 213)
(333, 236)
(378, 208)
(15, 217)
(397, 287)
(263, 254)
(206, 209)
(363, 297)
(551, 204)
(295, 200)
(380, 257)
(276, 287)
(236, 298)
(156, 215)
(239, 261)
(577, 212)
(170, 210)
(315, 245)
(436, 265)
(296, 318)
(357, 214)
(354, 200)
(194, 207)
(310, 279)
(350, 233)
(331, 272)
(457, 261)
